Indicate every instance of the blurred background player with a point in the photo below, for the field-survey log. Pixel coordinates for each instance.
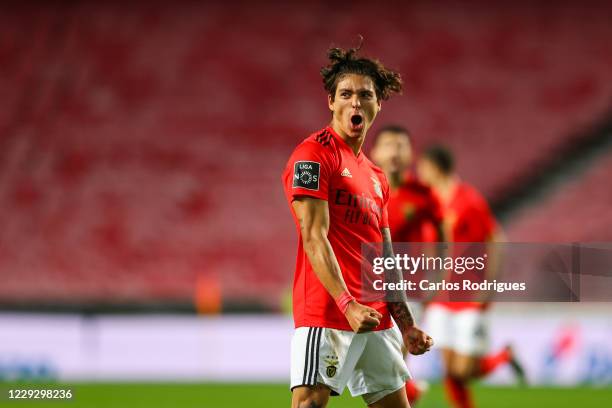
(415, 213)
(459, 327)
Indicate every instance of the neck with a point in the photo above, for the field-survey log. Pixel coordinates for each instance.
(445, 186)
(396, 178)
(355, 143)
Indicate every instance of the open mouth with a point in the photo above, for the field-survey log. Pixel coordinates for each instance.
(356, 120)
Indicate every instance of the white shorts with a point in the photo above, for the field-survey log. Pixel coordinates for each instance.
(371, 363)
(463, 331)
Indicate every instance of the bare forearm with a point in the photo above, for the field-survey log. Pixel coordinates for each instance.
(325, 265)
(400, 311)
(313, 217)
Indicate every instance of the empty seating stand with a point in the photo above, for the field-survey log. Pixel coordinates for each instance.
(141, 145)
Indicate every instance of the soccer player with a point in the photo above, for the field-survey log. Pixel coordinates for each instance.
(459, 327)
(415, 213)
(338, 199)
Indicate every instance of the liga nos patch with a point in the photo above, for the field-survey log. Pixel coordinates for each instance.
(306, 175)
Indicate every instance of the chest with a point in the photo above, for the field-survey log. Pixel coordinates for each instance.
(356, 194)
(358, 178)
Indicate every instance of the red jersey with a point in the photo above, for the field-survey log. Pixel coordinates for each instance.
(471, 220)
(323, 166)
(414, 212)
(469, 214)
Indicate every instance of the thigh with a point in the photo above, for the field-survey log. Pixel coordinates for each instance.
(471, 333)
(396, 399)
(381, 370)
(464, 366)
(438, 326)
(315, 396)
(304, 356)
(447, 359)
(324, 356)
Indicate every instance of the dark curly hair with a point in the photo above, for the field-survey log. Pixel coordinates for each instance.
(342, 62)
(441, 157)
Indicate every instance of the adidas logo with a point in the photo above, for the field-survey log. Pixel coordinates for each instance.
(346, 173)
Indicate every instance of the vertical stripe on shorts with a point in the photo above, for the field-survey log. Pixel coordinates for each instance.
(311, 361)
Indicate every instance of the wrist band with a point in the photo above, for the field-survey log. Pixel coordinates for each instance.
(343, 301)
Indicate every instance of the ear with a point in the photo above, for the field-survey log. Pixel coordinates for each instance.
(330, 102)
(379, 103)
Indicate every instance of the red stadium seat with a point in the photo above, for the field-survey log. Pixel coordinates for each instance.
(142, 147)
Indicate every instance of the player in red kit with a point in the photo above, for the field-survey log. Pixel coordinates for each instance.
(338, 199)
(415, 213)
(460, 327)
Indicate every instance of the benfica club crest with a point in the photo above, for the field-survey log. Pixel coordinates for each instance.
(330, 371)
(332, 362)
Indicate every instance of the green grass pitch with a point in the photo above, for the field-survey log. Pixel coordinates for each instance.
(157, 395)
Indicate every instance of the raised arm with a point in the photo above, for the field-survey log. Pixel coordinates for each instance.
(313, 216)
(415, 340)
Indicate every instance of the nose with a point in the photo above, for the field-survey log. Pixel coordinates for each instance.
(355, 102)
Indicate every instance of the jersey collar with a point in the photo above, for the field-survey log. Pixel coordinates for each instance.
(340, 140)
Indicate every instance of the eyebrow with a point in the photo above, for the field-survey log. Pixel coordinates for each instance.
(358, 90)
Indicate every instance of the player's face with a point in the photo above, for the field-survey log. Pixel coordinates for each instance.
(354, 105)
(392, 152)
(427, 171)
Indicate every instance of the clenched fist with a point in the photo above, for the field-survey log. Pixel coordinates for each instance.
(362, 318)
(417, 341)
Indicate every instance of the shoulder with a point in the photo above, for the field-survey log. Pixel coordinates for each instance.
(469, 191)
(377, 170)
(471, 196)
(414, 185)
(319, 144)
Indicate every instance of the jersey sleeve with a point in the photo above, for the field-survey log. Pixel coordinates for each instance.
(484, 216)
(308, 171)
(488, 220)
